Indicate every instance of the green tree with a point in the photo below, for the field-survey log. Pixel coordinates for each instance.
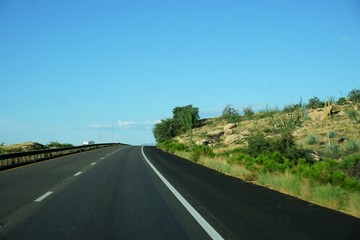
(165, 130)
(56, 144)
(341, 101)
(354, 95)
(192, 113)
(230, 114)
(187, 118)
(315, 103)
(184, 120)
(257, 143)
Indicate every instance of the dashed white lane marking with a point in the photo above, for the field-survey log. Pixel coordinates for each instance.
(43, 197)
(77, 174)
(203, 223)
(93, 164)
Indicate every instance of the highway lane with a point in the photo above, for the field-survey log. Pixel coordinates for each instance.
(23, 184)
(240, 210)
(121, 197)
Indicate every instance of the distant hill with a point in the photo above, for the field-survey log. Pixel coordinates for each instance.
(22, 147)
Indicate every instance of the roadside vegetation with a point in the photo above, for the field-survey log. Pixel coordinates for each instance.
(31, 146)
(310, 151)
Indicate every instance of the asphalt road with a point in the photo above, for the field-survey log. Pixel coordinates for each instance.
(117, 193)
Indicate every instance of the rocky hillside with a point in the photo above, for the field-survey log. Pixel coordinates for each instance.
(320, 128)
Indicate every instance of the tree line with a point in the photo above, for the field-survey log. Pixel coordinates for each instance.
(184, 119)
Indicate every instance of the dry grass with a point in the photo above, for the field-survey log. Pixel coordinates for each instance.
(325, 195)
(223, 166)
(340, 124)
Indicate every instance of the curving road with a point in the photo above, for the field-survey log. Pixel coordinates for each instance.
(130, 192)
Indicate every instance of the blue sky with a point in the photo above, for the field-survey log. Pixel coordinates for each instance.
(108, 70)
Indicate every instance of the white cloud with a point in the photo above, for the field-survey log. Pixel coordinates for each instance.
(344, 38)
(125, 123)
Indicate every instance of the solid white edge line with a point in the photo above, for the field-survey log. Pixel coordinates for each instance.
(203, 223)
(43, 197)
(77, 174)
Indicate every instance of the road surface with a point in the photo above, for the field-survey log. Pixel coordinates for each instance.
(133, 192)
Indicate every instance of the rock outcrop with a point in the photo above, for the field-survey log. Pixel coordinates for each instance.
(215, 134)
(230, 139)
(320, 114)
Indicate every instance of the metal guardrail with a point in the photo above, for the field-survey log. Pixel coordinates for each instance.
(10, 160)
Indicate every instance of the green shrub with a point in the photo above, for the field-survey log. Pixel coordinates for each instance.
(56, 144)
(311, 140)
(232, 118)
(354, 95)
(319, 172)
(166, 130)
(230, 114)
(172, 146)
(350, 183)
(333, 149)
(198, 150)
(337, 178)
(292, 107)
(257, 143)
(195, 156)
(267, 112)
(240, 157)
(331, 171)
(350, 161)
(342, 101)
(351, 165)
(248, 113)
(273, 162)
(315, 103)
(353, 114)
(332, 134)
(286, 123)
(352, 146)
(284, 144)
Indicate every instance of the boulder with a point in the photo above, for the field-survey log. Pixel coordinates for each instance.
(321, 114)
(229, 126)
(315, 156)
(317, 115)
(229, 129)
(335, 109)
(230, 132)
(245, 133)
(216, 133)
(230, 139)
(203, 142)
